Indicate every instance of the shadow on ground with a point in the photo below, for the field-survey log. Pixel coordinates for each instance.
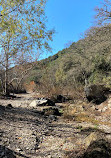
(88, 130)
(97, 149)
(7, 153)
(21, 114)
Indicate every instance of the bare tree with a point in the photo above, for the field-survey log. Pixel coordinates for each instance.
(103, 13)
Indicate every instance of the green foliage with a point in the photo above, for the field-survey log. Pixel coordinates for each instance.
(60, 75)
(25, 22)
(97, 77)
(107, 81)
(23, 35)
(101, 64)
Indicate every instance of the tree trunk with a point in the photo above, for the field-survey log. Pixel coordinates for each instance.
(6, 75)
(6, 67)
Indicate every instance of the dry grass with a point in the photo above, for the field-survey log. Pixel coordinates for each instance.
(83, 117)
(81, 112)
(77, 107)
(76, 113)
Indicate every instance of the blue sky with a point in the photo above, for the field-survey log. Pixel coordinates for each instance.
(70, 18)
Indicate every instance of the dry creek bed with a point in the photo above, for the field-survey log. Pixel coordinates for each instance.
(26, 133)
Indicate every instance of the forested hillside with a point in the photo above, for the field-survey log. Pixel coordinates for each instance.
(89, 58)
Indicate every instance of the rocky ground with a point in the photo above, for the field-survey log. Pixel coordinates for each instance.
(25, 132)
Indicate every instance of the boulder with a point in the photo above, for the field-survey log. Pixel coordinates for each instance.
(96, 93)
(98, 149)
(58, 98)
(41, 102)
(96, 145)
(9, 106)
(51, 111)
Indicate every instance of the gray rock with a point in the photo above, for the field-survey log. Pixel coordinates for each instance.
(9, 106)
(36, 103)
(96, 93)
(41, 102)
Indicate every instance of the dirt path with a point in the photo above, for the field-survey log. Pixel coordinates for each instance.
(27, 133)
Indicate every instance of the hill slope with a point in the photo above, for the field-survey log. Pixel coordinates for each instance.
(88, 58)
